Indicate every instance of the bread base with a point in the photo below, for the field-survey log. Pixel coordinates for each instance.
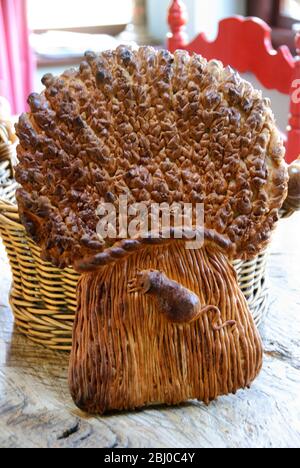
(127, 355)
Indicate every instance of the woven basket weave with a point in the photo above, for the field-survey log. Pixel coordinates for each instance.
(43, 298)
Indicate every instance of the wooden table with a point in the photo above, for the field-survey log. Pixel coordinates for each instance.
(36, 409)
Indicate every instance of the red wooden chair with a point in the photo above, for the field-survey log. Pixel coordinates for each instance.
(246, 45)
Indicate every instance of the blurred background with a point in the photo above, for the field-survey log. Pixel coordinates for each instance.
(38, 37)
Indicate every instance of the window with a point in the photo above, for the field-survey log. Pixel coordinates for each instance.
(76, 15)
(290, 9)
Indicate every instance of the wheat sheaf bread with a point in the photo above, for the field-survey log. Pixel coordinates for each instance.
(158, 128)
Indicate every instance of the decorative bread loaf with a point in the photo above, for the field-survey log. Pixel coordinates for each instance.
(156, 322)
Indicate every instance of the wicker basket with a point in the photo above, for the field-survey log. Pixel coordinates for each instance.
(43, 298)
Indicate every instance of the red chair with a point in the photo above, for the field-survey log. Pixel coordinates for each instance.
(246, 45)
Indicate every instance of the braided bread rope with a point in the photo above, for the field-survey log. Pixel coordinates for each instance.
(127, 247)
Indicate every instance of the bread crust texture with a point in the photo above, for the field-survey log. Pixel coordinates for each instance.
(158, 128)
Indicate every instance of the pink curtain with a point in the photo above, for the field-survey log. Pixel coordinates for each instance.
(16, 58)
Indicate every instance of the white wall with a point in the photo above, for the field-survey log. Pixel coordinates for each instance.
(204, 16)
(209, 13)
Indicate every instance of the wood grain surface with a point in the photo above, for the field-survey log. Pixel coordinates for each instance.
(36, 409)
